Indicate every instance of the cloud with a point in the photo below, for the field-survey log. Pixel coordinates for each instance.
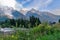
(56, 11)
(10, 3)
(37, 4)
(6, 7)
(6, 11)
(24, 1)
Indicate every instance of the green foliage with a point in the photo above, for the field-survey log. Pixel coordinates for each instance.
(41, 32)
(34, 21)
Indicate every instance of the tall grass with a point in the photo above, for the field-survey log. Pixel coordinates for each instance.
(41, 32)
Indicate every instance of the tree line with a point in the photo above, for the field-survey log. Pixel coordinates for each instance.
(32, 22)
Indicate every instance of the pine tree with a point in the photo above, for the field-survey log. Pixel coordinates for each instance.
(59, 20)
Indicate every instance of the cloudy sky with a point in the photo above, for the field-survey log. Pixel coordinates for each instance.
(52, 5)
(40, 4)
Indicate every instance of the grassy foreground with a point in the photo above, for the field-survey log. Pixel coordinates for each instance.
(40, 32)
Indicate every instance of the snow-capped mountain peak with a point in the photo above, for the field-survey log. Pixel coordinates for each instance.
(8, 12)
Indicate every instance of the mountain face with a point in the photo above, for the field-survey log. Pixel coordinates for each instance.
(34, 13)
(10, 13)
(16, 14)
(43, 16)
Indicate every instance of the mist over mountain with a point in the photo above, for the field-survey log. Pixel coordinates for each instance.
(9, 13)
